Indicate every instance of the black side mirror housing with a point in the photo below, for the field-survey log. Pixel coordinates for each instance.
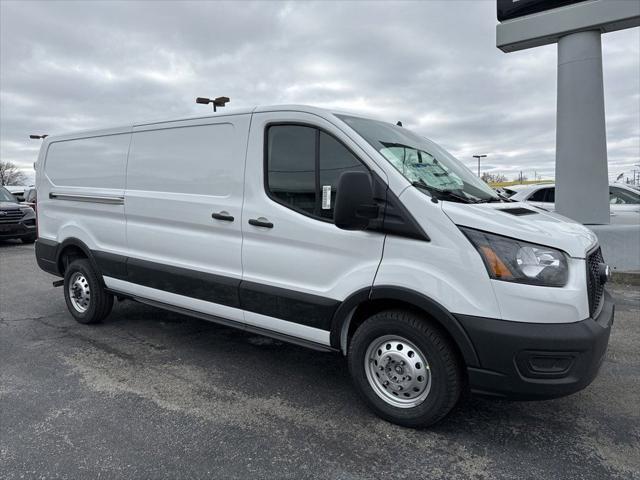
(355, 205)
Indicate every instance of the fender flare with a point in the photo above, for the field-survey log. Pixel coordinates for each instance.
(75, 242)
(104, 263)
(49, 253)
(444, 318)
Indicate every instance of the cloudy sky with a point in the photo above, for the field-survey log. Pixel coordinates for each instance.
(66, 66)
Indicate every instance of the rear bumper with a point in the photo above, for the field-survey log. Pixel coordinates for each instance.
(47, 256)
(529, 361)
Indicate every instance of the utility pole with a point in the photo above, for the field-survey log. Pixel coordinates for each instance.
(479, 157)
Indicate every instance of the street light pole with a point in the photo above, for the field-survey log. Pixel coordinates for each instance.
(216, 102)
(479, 157)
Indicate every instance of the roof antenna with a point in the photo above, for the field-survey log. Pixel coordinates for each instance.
(38, 137)
(217, 102)
(399, 123)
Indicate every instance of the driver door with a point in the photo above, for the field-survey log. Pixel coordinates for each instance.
(297, 265)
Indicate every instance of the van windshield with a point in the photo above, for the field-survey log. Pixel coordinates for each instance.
(425, 164)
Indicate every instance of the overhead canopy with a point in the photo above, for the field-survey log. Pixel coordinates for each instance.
(532, 23)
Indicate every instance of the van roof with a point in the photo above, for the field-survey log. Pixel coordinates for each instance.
(321, 112)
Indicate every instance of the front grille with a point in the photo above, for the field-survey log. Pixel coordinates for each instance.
(11, 216)
(595, 288)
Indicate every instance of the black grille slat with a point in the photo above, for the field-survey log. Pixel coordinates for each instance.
(11, 216)
(595, 288)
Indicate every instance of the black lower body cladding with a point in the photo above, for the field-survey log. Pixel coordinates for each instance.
(535, 361)
(47, 255)
(297, 307)
(508, 359)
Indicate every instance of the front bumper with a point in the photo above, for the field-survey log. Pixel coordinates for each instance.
(18, 230)
(534, 361)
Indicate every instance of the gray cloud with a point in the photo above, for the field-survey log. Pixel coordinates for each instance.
(434, 65)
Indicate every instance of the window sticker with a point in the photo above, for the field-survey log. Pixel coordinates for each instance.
(326, 197)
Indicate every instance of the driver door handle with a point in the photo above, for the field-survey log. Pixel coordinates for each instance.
(260, 222)
(224, 216)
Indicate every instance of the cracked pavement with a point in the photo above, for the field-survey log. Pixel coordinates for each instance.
(151, 394)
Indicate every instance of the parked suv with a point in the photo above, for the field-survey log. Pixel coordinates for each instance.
(336, 232)
(16, 220)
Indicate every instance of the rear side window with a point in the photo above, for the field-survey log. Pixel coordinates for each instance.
(551, 195)
(97, 162)
(303, 168)
(543, 195)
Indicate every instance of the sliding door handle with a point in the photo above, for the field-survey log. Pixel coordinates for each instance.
(260, 222)
(224, 216)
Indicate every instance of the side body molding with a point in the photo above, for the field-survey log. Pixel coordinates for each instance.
(342, 317)
(49, 252)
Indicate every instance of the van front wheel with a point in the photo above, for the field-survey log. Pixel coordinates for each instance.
(405, 369)
(84, 293)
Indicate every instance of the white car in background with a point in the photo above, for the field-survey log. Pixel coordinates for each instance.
(624, 201)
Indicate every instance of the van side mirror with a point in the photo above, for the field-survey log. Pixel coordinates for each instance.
(355, 206)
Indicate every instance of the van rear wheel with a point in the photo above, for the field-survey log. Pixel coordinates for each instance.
(405, 369)
(84, 293)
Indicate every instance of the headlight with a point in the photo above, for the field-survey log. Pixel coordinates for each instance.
(517, 261)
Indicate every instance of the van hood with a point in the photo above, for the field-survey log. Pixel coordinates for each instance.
(525, 222)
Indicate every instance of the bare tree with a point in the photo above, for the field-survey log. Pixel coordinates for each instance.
(10, 174)
(493, 177)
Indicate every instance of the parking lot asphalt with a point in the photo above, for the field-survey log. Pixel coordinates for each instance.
(153, 394)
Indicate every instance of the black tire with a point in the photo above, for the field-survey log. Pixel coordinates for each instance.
(100, 302)
(445, 368)
(29, 239)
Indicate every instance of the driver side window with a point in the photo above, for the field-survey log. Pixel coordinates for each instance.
(303, 166)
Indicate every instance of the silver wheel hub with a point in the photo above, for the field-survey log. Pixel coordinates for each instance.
(79, 292)
(397, 371)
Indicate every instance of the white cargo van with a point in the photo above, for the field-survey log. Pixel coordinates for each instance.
(336, 232)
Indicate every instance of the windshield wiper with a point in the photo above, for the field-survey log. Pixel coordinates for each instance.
(441, 194)
(505, 198)
(501, 198)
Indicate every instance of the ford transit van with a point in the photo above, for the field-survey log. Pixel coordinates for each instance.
(336, 232)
